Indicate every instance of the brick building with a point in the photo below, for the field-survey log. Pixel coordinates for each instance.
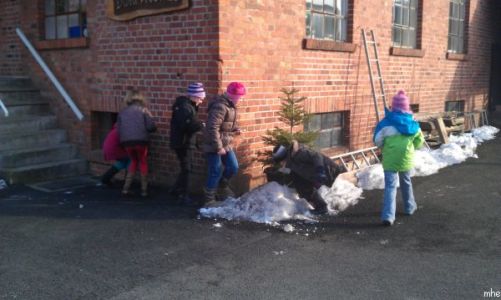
(440, 52)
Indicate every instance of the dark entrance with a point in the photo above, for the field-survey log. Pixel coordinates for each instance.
(495, 80)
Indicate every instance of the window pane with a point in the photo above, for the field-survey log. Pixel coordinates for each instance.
(83, 5)
(344, 7)
(461, 29)
(61, 6)
(455, 11)
(397, 15)
(329, 6)
(461, 45)
(449, 43)
(308, 4)
(413, 18)
(412, 38)
(318, 25)
(313, 123)
(405, 16)
(50, 7)
(329, 27)
(318, 4)
(336, 137)
(74, 26)
(406, 2)
(74, 5)
(451, 8)
(50, 28)
(343, 30)
(62, 27)
(397, 36)
(308, 23)
(324, 139)
(462, 11)
(405, 38)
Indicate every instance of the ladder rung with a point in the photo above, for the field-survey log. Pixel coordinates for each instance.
(370, 42)
(374, 59)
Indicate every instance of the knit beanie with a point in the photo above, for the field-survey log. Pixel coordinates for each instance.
(400, 102)
(235, 90)
(196, 90)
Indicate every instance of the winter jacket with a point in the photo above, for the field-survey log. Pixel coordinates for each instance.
(221, 124)
(184, 124)
(111, 147)
(311, 165)
(134, 125)
(398, 135)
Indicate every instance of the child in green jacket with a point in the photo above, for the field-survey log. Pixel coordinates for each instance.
(398, 134)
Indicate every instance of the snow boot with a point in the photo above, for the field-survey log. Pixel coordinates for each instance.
(128, 182)
(224, 191)
(106, 178)
(144, 185)
(210, 197)
(318, 203)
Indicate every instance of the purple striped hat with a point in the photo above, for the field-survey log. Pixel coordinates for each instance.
(196, 89)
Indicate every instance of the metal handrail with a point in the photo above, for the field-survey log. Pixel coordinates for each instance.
(5, 111)
(49, 73)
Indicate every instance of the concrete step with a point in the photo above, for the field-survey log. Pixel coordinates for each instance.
(44, 172)
(26, 123)
(21, 110)
(27, 97)
(10, 83)
(32, 139)
(39, 155)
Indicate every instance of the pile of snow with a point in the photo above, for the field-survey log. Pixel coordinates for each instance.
(272, 202)
(427, 162)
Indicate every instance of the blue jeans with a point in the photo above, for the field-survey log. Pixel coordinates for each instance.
(215, 164)
(390, 194)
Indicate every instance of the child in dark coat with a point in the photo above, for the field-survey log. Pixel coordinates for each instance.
(183, 127)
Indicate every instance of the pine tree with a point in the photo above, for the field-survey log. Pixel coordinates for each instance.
(293, 114)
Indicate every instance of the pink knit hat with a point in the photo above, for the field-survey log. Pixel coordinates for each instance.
(400, 102)
(235, 90)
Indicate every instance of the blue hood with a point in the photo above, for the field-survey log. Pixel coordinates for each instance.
(403, 122)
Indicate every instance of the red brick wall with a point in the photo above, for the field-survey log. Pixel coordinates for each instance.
(261, 46)
(10, 58)
(160, 55)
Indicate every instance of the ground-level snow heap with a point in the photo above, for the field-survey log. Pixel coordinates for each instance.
(273, 202)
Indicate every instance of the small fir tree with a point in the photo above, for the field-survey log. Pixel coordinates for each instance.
(292, 113)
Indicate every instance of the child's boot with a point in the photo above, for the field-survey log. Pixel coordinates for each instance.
(128, 182)
(224, 190)
(144, 185)
(106, 178)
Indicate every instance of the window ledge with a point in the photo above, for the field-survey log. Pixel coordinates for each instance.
(336, 150)
(325, 45)
(82, 42)
(397, 51)
(455, 56)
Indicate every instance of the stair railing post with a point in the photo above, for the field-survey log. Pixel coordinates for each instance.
(51, 76)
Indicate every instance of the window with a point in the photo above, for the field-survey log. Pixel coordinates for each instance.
(65, 19)
(457, 12)
(327, 19)
(405, 23)
(331, 128)
(101, 124)
(454, 106)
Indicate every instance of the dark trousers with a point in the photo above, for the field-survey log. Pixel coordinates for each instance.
(185, 158)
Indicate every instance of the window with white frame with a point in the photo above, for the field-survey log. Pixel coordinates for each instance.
(457, 12)
(405, 23)
(331, 128)
(327, 19)
(64, 19)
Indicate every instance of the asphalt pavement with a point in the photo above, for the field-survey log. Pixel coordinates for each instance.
(90, 243)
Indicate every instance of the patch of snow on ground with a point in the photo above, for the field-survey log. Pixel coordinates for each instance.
(340, 196)
(268, 203)
(427, 162)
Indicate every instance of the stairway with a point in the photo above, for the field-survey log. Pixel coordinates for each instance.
(32, 147)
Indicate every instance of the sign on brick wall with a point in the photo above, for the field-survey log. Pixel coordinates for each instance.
(123, 10)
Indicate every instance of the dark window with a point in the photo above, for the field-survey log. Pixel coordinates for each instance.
(455, 106)
(405, 23)
(327, 19)
(457, 12)
(65, 19)
(331, 128)
(414, 108)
